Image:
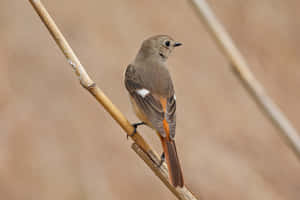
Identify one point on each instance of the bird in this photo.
(151, 91)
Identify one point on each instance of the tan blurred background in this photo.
(56, 142)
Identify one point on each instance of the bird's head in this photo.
(159, 46)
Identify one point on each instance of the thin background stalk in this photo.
(239, 65)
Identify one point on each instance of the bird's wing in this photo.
(171, 114)
(160, 111)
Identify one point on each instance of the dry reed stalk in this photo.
(148, 155)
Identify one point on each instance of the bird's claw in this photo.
(162, 159)
(135, 126)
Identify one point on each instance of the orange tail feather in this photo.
(175, 172)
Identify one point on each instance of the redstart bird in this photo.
(152, 95)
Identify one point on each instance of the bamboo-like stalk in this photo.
(148, 155)
(247, 78)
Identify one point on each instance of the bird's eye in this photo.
(167, 43)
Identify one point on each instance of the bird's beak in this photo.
(177, 44)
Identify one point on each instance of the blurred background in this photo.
(57, 142)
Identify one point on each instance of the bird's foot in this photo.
(135, 126)
(162, 159)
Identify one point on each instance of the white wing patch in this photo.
(143, 92)
(174, 97)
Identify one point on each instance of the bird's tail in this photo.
(175, 172)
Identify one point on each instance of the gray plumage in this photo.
(151, 90)
(149, 71)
